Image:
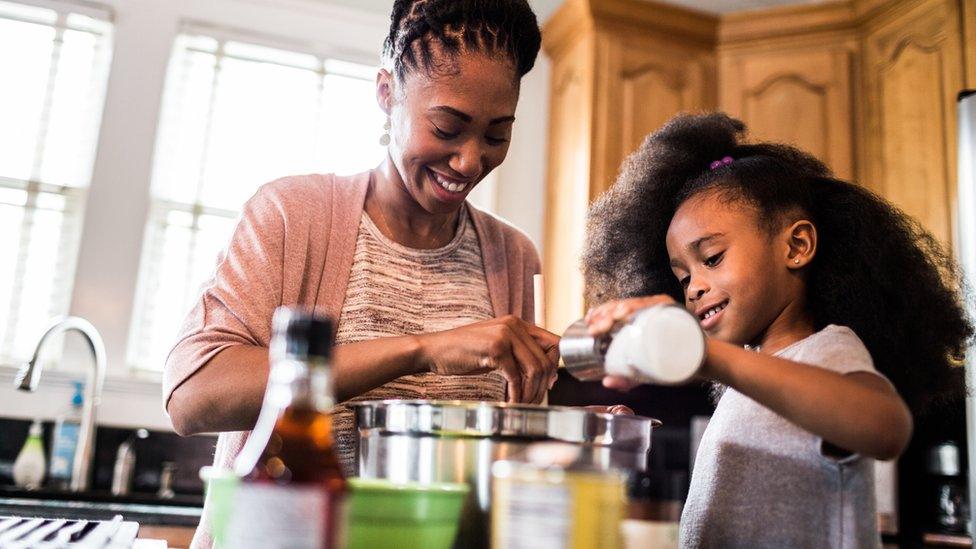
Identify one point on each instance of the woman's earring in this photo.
(385, 138)
(796, 261)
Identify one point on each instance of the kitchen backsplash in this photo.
(189, 454)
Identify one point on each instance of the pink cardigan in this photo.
(294, 244)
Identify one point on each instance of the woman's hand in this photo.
(523, 353)
(615, 409)
(602, 318)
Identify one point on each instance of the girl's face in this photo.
(448, 131)
(732, 271)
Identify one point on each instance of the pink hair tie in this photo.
(725, 161)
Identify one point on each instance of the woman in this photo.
(431, 295)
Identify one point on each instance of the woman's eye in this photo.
(714, 260)
(495, 140)
(443, 134)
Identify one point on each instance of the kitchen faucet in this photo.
(29, 377)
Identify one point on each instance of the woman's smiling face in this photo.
(728, 266)
(450, 129)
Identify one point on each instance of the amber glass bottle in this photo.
(292, 484)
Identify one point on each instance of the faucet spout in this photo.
(29, 377)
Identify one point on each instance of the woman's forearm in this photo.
(361, 367)
(857, 412)
(226, 393)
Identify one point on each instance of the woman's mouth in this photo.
(712, 315)
(447, 188)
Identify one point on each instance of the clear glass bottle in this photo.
(64, 442)
(292, 484)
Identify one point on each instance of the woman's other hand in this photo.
(616, 409)
(523, 353)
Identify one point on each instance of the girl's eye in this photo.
(443, 134)
(714, 260)
(685, 281)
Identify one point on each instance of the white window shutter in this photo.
(50, 110)
(238, 111)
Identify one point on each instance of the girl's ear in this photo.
(802, 244)
(384, 90)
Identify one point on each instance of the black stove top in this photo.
(36, 532)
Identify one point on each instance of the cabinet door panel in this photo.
(651, 96)
(913, 71)
(645, 82)
(802, 96)
(775, 109)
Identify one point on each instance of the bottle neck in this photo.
(301, 383)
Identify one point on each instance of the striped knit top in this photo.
(394, 291)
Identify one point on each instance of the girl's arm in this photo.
(858, 412)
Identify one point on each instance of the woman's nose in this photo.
(468, 160)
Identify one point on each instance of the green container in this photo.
(406, 515)
(221, 485)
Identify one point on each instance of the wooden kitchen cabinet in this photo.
(868, 86)
(568, 182)
(913, 69)
(800, 92)
(621, 68)
(643, 82)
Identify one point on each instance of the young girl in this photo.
(831, 316)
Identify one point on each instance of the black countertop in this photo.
(156, 515)
(146, 509)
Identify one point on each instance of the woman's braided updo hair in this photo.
(420, 29)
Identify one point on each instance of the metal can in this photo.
(661, 344)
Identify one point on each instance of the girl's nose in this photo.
(696, 289)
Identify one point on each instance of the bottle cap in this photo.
(943, 459)
(301, 334)
(78, 399)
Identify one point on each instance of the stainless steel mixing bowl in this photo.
(458, 441)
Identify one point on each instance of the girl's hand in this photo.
(619, 383)
(601, 319)
(523, 353)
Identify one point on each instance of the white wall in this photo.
(521, 179)
(118, 199)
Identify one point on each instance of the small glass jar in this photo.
(551, 501)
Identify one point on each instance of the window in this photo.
(54, 65)
(235, 115)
